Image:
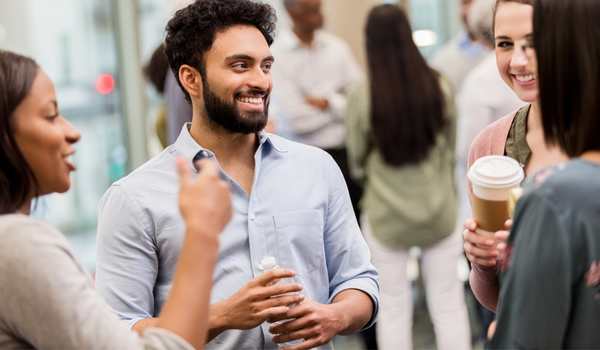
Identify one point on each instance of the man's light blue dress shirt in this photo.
(298, 211)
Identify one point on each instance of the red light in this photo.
(105, 84)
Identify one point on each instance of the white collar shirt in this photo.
(327, 70)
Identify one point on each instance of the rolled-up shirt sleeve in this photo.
(347, 255)
(127, 257)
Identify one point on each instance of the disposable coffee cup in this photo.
(492, 179)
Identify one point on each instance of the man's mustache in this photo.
(253, 93)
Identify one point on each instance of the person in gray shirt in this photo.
(550, 281)
(47, 301)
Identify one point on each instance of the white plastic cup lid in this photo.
(496, 172)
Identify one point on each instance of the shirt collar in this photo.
(188, 148)
(273, 140)
(185, 145)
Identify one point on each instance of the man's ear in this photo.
(191, 80)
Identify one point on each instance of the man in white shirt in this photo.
(458, 57)
(314, 72)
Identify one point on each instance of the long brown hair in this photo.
(407, 102)
(17, 181)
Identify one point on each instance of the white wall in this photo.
(15, 29)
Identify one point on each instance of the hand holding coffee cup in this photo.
(479, 246)
(482, 247)
(492, 179)
(502, 239)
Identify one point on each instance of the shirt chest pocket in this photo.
(300, 240)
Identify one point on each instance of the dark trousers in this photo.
(341, 158)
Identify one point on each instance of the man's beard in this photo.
(228, 116)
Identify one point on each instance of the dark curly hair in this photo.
(191, 32)
(17, 181)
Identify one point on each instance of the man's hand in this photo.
(316, 323)
(317, 102)
(257, 301)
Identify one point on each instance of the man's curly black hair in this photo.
(191, 32)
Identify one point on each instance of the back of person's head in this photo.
(156, 69)
(464, 8)
(567, 44)
(480, 21)
(407, 103)
(17, 182)
(307, 15)
(191, 32)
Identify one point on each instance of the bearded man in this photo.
(289, 200)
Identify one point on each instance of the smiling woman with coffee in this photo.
(518, 135)
(46, 299)
(550, 295)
